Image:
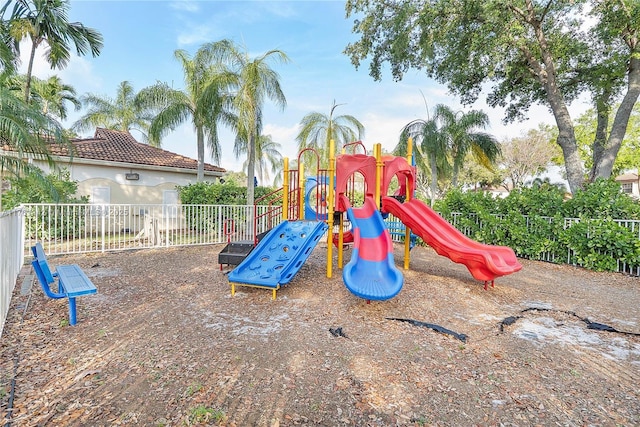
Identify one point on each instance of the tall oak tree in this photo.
(524, 52)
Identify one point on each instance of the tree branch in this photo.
(546, 10)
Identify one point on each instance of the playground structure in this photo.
(350, 198)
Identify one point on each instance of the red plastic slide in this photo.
(485, 262)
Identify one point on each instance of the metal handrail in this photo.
(272, 211)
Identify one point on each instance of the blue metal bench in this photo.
(72, 282)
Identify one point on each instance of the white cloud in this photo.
(279, 8)
(285, 136)
(383, 129)
(185, 6)
(195, 35)
(79, 72)
(41, 67)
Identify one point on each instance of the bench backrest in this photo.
(38, 253)
(43, 272)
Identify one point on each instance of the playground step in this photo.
(235, 252)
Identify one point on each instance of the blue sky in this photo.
(141, 36)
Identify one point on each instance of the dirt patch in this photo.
(164, 343)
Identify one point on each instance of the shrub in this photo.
(207, 193)
(543, 200)
(466, 202)
(52, 188)
(598, 244)
(40, 188)
(602, 199)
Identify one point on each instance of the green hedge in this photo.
(56, 187)
(205, 193)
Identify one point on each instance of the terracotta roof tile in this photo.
(118, 146)
(627, 177)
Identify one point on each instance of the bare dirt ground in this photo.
(163, 343)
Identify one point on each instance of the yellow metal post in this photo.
(408, 195)
(285, 190)
(330, 207)
(377, 152)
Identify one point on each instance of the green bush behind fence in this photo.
(598, 228)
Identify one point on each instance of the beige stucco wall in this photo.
(126, 193)
(148, 189)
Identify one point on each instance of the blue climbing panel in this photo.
(280, 254)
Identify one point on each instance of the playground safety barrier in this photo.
(80, 228)
(567, 256)
(11, 257)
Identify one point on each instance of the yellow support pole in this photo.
(377, 152)
(408, 195)
(330, 207)
(285, 190)
(301, 191)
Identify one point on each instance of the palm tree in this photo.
(430, 149)
(267, 156)
(204, 100)
(255, 81)
(459, 128)
(53, 95)
(24, 131)
(318, 129)
(125, 113)
(48, 21)
(9, 56)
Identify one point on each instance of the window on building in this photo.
(100, 196)
(170, 203)
(627, 187)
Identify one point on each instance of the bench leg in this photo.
(72, 311)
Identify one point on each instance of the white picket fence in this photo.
(79, 228)
(11, 257)
(568, 256)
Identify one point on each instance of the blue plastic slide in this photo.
(279, 255)
(371, 274)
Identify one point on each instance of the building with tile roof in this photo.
(112, 167)
(630, 183)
